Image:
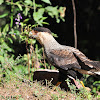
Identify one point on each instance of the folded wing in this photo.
(93, 67)
(63, 59)
(73, 58)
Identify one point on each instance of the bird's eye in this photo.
(36, 31)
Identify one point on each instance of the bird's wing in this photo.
(63, 59)
(90, 65)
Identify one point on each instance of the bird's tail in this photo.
(92, 66)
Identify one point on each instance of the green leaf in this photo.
(6, 28)
(1, 59)
(35, 25)
(28, 2)
(57, 20)
(38, 15)
(98, 97)
(11, 41)
(55, 35)
(22, 24)
(41, 12)
(94, 90)
(38, 5)
(45, 23)
(26, 20)
(6, 47)
(26, 11)
(4, 15)
(47, 1)
(20, 7)
(1, 1)
(52, 10)
(43, 18)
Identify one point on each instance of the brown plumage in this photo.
(70, 61)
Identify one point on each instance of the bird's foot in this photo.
(78, 85)
(87, 88)
(81, 85)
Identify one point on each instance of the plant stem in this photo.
(11, 24)
(34, 6)
(44, 59)
(28, 56)
(20, 4)
(75, 34)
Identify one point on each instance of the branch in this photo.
(75, 34)
(20, 4)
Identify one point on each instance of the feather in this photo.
(92, 67)
(63, 59)
(72, 58)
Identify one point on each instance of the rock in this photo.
(42, 74)
(48, 74)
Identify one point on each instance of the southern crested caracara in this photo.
(70, 61)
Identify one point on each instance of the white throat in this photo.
(47, 40)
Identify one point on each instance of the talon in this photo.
(82, 83)
(87, 88)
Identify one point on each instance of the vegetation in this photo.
(16, 71)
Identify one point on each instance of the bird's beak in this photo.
(32, 34)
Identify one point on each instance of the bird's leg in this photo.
(79, 85)
(58, 83)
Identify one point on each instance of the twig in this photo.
(75, 34)
(36, 60)
(28, 56)
(32, 54)
(44, 59)
(20, 4)
(11, 25)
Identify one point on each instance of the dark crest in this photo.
(42, 29)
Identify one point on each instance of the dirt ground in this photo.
(35, 91)
(17, 90)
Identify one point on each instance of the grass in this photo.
(16, 89)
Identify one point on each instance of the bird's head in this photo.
(36, 32)
(41, 34)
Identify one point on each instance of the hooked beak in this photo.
(32, 34)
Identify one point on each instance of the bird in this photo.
(68, 60)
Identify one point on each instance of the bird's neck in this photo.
(47, 41)
(51, 43)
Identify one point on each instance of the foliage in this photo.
(19, 15)
(82, 92)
